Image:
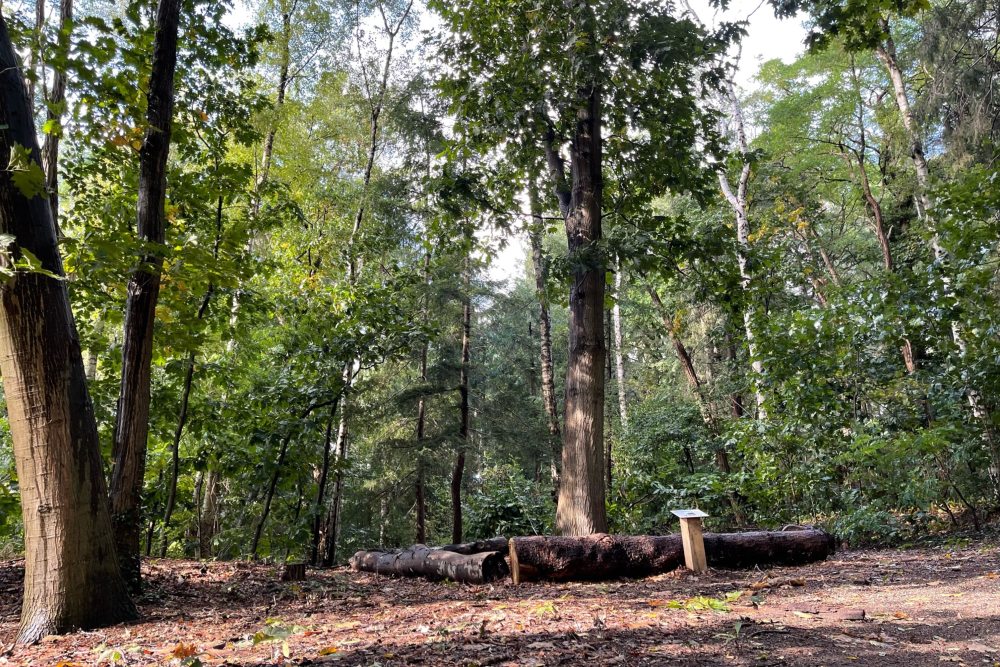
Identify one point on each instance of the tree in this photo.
(587, 78)
(72, 578)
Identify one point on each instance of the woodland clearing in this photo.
(922, 606)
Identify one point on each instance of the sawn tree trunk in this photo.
(607, 556)
(422, 561)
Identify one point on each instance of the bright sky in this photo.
(768, 38)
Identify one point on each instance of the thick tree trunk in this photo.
(71, 577)
(609, 556)
(581, 510)
(54, 112)
(541, 269)
(421, 561)
(132, 419)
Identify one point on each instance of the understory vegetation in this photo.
(801, 313)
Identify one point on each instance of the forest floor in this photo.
(921, 606)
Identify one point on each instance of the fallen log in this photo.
(494, 544)
(423, 561)
(608, 556)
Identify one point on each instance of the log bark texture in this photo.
(423, 561)
(603, 556)
(497, 544)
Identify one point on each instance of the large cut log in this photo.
(422, 561)
(603, 556)
(495, 544)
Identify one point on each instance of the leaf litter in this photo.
(867, 607)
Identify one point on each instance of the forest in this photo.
(287, 280)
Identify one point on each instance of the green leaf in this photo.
(25, 172)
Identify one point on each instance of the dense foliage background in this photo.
(354, 241)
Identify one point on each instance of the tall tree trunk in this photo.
(71, 575)
(541, 270)
(420, 490)
(739, 202)
(333, 520)
(616, 319)
(132, 418)
(458, 472)
(581, 507)
(886, 52)
(314, 553)
(54, 111)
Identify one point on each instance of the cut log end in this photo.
(293, 572)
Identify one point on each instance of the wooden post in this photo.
(692, 539)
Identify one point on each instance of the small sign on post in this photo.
(691, 538)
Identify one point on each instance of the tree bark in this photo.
(608, 556)
(616, 319)
(315, 553)
(333, 518)
(458, 472)
(541, 271)
(581, 505)
(208, 515)
(54, 112)
(494, 544)
(420, 491)
(71, 578)
(132, 419)
(422, 561)
(740, 204)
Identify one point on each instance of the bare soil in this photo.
(924, 606)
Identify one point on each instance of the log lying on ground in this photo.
(423, 561)
(494, 544)
(608, 556)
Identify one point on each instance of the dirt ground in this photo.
(926, 606)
